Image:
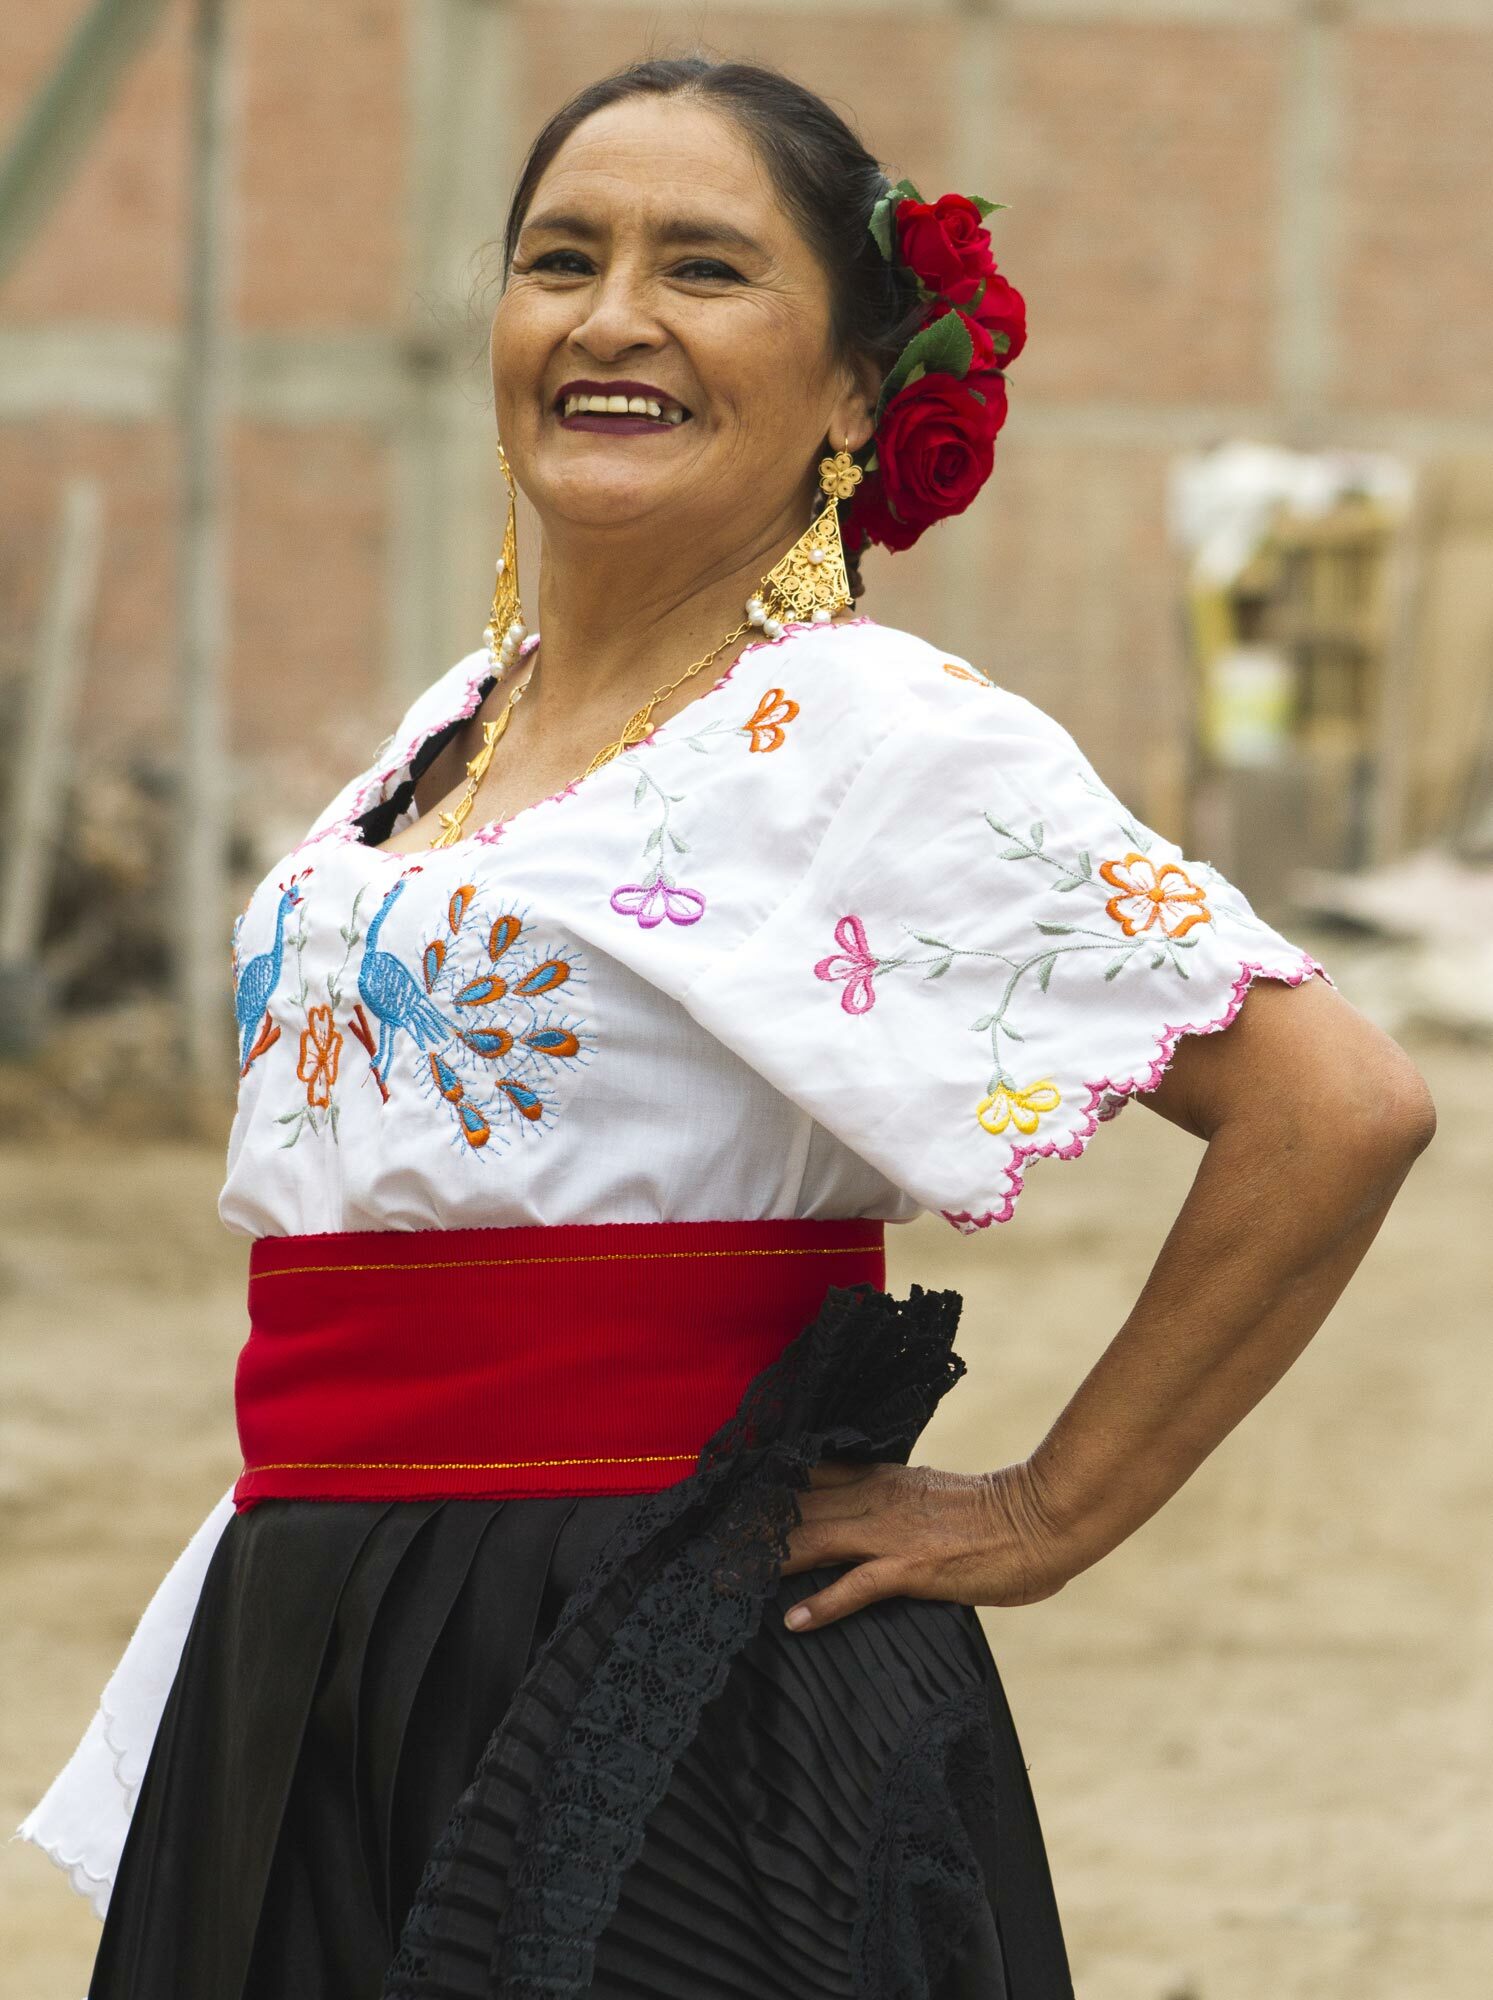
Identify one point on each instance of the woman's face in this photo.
(657, 263)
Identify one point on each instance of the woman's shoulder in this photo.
(453, 694)
(928, 696)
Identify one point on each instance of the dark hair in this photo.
(827, 179)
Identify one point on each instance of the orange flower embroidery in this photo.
(968, 674)
(1149, 896)
(766, 726)
(321, 1050)
(1021, 1108)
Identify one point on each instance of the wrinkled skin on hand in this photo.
(915, 1531)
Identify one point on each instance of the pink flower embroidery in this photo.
(651, 902)
(855, 963)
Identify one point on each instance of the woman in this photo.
(580, 1625)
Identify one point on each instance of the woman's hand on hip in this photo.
(914, 1531)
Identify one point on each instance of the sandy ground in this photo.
(1259, 1733)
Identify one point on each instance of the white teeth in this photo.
(623, 406)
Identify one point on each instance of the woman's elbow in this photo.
(1389, 1115)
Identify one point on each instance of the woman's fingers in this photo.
(863, 1585)
(918, 1532)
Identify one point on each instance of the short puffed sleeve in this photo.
(986, 955)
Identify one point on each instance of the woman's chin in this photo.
(601, 492)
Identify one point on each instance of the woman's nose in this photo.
(617, 319)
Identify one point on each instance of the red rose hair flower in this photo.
(946, 245)
(944, 398)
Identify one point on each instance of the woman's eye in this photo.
(708, 267)
(570, 263)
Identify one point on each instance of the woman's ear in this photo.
(854, 415)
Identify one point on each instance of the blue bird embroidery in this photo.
(256, 984)
(392, 995)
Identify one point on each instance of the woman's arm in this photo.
(1313, 1118)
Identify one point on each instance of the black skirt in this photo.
(505, 1749)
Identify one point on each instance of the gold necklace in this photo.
(807, 585)
(633, 731)
(453, 821)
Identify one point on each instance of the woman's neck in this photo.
(616, 622)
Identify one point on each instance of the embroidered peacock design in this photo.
(393, 996)
(255, 985)
(480, 999)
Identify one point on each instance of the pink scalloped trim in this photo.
(375, 788)
(1108, 1095)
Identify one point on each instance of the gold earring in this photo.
(505, 622)
(810, 584)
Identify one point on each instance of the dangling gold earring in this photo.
(810, 584)
(505, 622)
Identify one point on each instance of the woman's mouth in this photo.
(624, 408)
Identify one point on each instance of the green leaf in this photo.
(979, 1027)
(1113, 971)
(1011, 1032)
(1016, 854)
(1068, 884)
(640, 788)
(938, 971)
(1038, 833)
(653, 840)
(986, 207)
(681, 845)
(883, 226)
(999, 827)
(1158, 959)
(1049, 929)
(1086, 865)
(1045, 975)
(923, 938)
(942, 348)
(906, 190)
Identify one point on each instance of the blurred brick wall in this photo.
(1267, 217)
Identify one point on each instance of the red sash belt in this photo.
(500, 1363)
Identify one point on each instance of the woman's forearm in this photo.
(1271, 1231)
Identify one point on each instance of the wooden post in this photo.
(38, 791)
(202, 904)
(447, 504)
(62, 119)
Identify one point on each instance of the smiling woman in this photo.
(578, 1623)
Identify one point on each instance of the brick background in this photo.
(1145, 149)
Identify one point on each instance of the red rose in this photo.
(984, 364)
(1002, 310)
(946, 244)
(935, 446)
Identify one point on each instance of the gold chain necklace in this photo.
(634, 730)
(807, 585)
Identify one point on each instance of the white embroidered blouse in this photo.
(857, 932)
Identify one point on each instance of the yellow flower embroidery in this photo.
(321, 1051)
(1021, 1108)
(960, 673)
(1150, 896)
